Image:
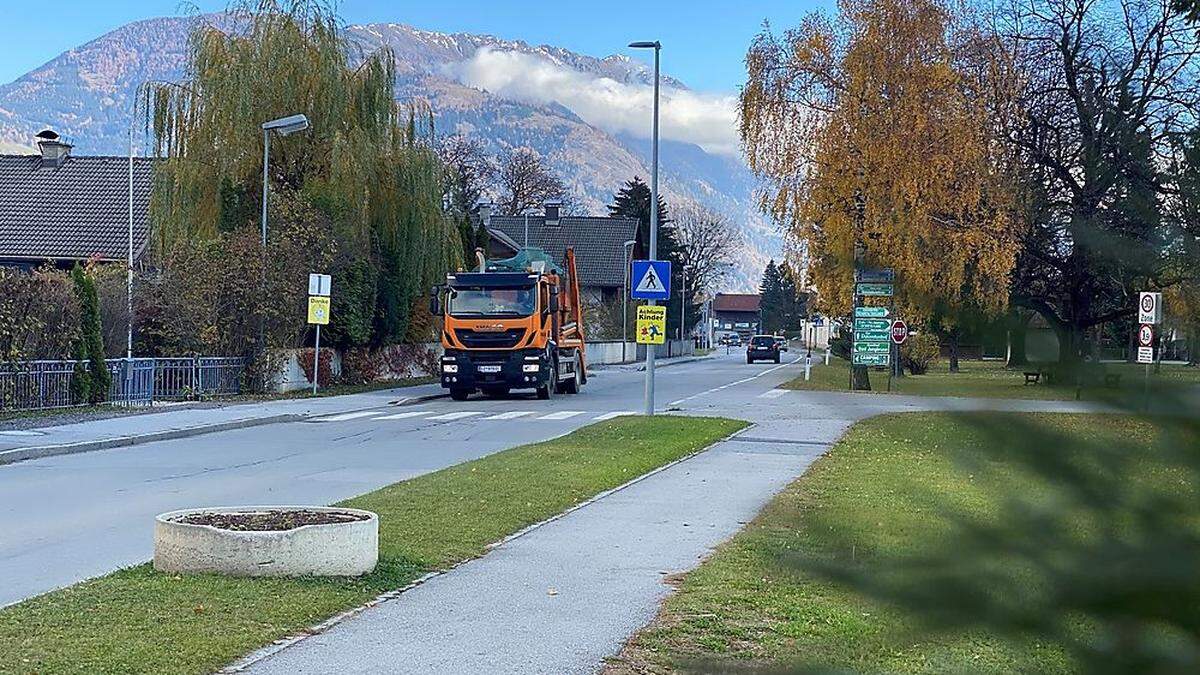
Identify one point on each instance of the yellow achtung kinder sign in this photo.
(318, 309)
(651, 325)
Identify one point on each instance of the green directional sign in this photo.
(872, 347)
(872, 324)
(875, 290)
(871, 360)
(872, 335)
(871, 312)
(884, 275)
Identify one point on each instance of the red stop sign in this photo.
(899, 331)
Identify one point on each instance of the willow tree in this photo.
(365, 161)
(875, 131)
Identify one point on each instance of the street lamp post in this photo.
(628, 247)
(657, 47)
(284, 126)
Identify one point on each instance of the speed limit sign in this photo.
(1149, 307)
(1146, 335)
(1145, 350)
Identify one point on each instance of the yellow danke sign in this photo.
(318, 309)
(651, 325)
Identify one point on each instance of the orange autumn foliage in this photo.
(881, 127)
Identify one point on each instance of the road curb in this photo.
(40, 451)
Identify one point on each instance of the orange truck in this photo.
(512, 324)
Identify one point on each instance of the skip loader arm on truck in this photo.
(572, 325)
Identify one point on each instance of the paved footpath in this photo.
(564, 596)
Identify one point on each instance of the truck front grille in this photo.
(493, 340)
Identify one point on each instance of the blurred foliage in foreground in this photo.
(980, 542)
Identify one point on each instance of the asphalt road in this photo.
(68, 518)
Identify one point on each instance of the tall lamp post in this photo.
(657, 47)
(283, 126)
(628, 246)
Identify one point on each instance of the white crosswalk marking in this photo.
(349, 416)
(774, 393)
(513, 414)
(561, 415)
(616, 413)
(406, 415)
(456, 415)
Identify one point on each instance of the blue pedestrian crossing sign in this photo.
(651, 280)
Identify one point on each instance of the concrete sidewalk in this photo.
(113, 432)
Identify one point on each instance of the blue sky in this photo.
(704, 41)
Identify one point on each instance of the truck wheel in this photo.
(571, 386)
(460, 394)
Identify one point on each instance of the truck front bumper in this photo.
(517, 369)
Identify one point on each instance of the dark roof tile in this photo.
(77, 211)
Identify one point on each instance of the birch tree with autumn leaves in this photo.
(877, 130)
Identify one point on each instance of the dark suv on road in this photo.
(762, 348)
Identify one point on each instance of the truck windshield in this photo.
(482, 301)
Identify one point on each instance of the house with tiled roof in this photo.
(737, 313)
(599, 243)
(60, 208)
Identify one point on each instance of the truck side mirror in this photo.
(435, 301)
(553, 299)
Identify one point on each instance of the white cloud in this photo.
(707, 120)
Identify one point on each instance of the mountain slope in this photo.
(86, 95)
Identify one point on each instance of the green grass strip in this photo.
(991, 379)
(752, 606)
(138, 620)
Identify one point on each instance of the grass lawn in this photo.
(750, 605)
(138, 620)
(988, 379)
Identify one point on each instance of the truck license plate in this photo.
(489, 369)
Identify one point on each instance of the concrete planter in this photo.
(337, 549)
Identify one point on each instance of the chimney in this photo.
(552, 208)
(484, 209)
(54, 150)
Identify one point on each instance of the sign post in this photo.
(318, 314)
(652, 282)
(1149, 315)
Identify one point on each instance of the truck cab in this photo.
(504, 330)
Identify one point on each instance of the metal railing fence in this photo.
(36, 385)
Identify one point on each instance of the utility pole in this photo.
(657, 47)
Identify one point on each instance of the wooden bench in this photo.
(1033, 377)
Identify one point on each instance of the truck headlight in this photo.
(449, 368)
(530, 368)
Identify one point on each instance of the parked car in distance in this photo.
(762, 348)
(781, 342)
